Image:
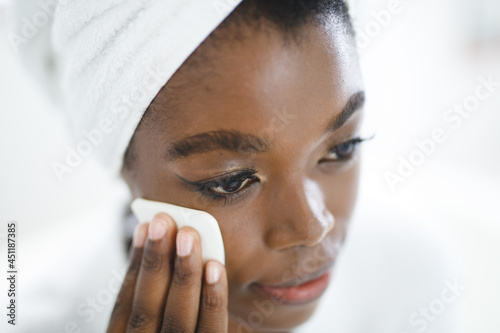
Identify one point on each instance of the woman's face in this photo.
(261, 138)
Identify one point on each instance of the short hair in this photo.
(288, 16)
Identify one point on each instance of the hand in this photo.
(167, 288)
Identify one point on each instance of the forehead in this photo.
(249, 84)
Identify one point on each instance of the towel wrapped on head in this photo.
(109, 59)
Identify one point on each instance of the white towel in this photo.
(108, 59)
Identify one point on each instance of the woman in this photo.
(259, 127)
(264, 138)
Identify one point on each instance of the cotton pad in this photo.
(212, 246)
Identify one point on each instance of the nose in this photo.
(300, 217)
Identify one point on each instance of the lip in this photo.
(302, 290)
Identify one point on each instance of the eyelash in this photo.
(207, 188)
(350, 144)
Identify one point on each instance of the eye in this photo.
(343, 151)
(230, 187)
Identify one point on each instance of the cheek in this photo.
(245, 251)
(243, 240)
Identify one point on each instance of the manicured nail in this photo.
(157, 228)
(213, 273)
(184, 244)
(139, 235)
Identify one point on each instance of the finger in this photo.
(154, 276)
(183, 301)
(123, 305)
(213, 306)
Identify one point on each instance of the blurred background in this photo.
(422, 62)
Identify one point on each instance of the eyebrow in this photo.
(233, 141)
(355, 102)
(238, 142)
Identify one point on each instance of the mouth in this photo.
(301, 290)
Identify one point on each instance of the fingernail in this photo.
(213, 273)
(184, 244)
(139, 235)
(157, 228)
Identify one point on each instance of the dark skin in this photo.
(300, 107)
